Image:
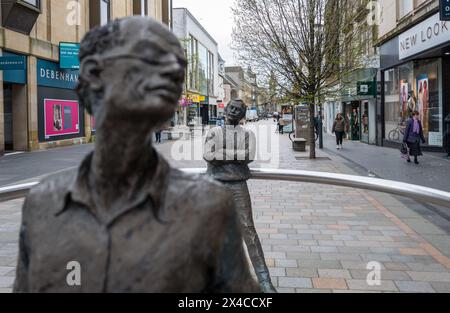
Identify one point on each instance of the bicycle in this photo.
(397, 133)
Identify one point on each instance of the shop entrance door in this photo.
(365, 120)
(8, 117)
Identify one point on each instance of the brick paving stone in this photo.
(333, 273)
(395, 266)
(385, 275)
(430, 276)
(420, 267)
(303, 256)
(412, 251)
(293, 282)
(6, 270)
(441, 287)
(340, 256)
(6, 281)
(302, 272)
(298, 290)
(415, 287)
(356, 265)
(286, 290)
(376, 257)
(324, 249)
(329, 283)
(386, 285)
(277, 271)
(286, 263)
(331, 264)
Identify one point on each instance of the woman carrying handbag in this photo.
(414, 136)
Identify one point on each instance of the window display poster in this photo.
(423, 100)
(61, 117)
(404, 92)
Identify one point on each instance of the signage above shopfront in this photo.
(444, 8)
(49, 74)
(429, 34)
(366, 88)
(68, 55)
(14, 73)
(11, 63)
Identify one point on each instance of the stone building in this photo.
(415, 65)
(38, 106)
(200, 99)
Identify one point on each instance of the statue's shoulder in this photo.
(50, 194)
(198, 188)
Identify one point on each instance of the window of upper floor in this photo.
(404, 7)
(20, 15)
(99, 12)
(140, 7)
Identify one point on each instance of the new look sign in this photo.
(428, 34)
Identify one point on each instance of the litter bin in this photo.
(447, 134)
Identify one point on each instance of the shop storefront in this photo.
(415, 71)
(358, 105)
(15, 118)
(60, 115)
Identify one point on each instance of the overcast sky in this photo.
(216, 17)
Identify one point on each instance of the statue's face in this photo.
(235, 112)
(142, 79)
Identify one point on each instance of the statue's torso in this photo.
(136, 252)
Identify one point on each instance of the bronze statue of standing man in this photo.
(229, 150)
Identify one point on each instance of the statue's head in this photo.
(235, 112)
(132, 69)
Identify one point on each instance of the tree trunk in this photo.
(312, 133)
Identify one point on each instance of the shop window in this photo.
(414, 86)
(20, 15)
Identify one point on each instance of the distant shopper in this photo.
(281, 124)
(158, 135)
(414, 136)
(339, 128)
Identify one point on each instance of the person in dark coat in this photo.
(414, 136)
(339, 128)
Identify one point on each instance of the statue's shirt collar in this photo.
(155, 187)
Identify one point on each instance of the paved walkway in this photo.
(433, 171)
(318, 238)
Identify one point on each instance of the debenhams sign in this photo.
(428, 34)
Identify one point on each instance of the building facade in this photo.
(38, 106)
(355, 95)
(415, 70)
(199, 102)
(246, 87)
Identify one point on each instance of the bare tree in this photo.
(307, 45)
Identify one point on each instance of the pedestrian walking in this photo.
(414, 136)
(281, 124)
(158, 136)
(339, 128)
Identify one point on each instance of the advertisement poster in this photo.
(61, 117)
(404, 90)
(423, 100)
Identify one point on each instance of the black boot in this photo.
(416, 161)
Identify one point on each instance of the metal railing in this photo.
(418, 193)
